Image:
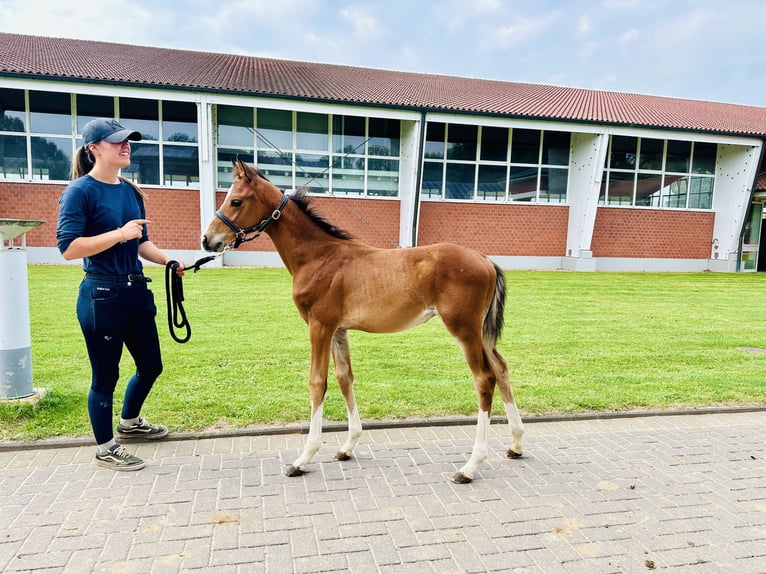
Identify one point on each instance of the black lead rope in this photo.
(174, 293)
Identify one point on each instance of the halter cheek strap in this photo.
(241, 234)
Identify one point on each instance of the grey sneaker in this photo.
(142, 429)
(117, 458)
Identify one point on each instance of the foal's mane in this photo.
(302, 201)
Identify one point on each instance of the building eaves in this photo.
(82, 60)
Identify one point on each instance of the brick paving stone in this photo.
(680, 493)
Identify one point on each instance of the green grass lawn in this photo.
(575, 342)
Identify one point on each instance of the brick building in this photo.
(537, 177)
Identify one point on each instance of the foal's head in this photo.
(251, 199)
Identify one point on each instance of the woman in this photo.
(102, 220)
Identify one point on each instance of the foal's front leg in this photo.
(320, 338)
(341, 355)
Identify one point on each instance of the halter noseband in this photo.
(241, 234)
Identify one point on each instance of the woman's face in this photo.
(113, 154)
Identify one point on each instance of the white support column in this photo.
(736, 167)
(408, 180)
(207, 162)
(588, 153)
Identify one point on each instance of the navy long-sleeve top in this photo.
(89, 207)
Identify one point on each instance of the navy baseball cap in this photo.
(108, 131)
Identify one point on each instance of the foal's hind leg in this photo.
(342, 359)
(511, 411)
(484, 379)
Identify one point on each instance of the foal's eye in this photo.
(236, 203)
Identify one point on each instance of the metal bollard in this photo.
(15, 337)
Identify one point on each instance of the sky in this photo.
(703, 50)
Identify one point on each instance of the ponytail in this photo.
(82, 162)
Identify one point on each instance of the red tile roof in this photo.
(81, 60)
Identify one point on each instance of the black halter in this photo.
(241, 234)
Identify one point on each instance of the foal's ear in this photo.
(241, 169)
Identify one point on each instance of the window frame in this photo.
(676, 187)
(531, 166)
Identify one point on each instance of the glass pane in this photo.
(556, 148)
(701, 192)
(225, 168)
(384, 137)
(144, 166)
(179, 121)
(348, 175)
(751, 234)
(51, 158)
(674, 191)
(491, 182)
(623, 152)
(348, 134)
(704, 158)
(461, 142)
(433, 173)
(93, 107)
(278, 168)
(602, 191)
(435, 141)
(383, 177)
(460, 181)
(311, 171)
(311, 131)
(13, 157)
(553, 185)
(142, 116)
(648, 189)
(525, 146)
(522, 185)
(181, 165)
(620, 190)
(235, 126)
(651, 154)
(12, 118)
(749, 260)
(50, 113)
(494, 144)
(275, 130)
(679, 154)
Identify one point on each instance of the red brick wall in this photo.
(494, 229)
(32, 201)
(497, 229)
(372, 221)
(654, 233)
(174, 213)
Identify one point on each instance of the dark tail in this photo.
(493, 320)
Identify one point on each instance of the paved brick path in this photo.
(674, 493)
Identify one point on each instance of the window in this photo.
(39, 132)
(658, 173)
(180, 153)
(13, 142)
(323, 153)
(486, 163)
(168, 152)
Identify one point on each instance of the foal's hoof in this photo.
(513, 454)
(292, 470)
(341, 456)
(460, 478)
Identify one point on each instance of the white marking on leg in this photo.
(517, 427)
(354, 431)
(480, 445)
(313, 441)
